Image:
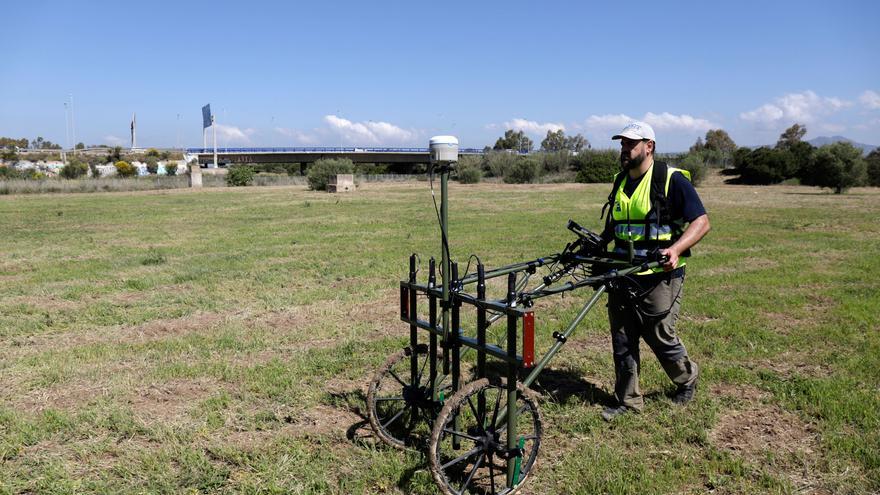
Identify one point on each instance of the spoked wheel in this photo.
(469, 452)
(401, 410)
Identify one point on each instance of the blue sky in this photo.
(396, 73)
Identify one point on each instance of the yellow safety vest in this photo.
(635, 218)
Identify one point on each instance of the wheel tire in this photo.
(491, 481)
(385, 400)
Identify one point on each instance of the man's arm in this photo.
(695, 231)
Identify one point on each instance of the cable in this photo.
(439, 220)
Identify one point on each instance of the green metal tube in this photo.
(444, 260)
(558, 345)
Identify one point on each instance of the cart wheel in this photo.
(400, 412)
(479, 463)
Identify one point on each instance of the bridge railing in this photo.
(323, 149)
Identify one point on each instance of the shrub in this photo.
(468, 170)
(597, 165)
(125, 169)
(499, 163)
(171, 167)
(873, 160)
(371, 168)
(764, 165)
(557, 161)
(323, 170)
(153, 152)
(240, 176)
(152, 164)
(524, 170)
(694, 164)
(74, 169)
(837, 166)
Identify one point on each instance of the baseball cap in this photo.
(637, 131)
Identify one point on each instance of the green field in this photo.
(221, 341)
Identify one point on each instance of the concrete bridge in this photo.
(230, 156)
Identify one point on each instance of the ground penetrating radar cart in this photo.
(482, 435)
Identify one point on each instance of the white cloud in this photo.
(228, 134)
(369, 132)
(533, 127)
(795, 107)
(683, 122)
(662, 121)
(870, 99)
(608, 121)
(111, 139)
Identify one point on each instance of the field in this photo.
(221, 341)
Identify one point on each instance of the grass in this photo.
(222, 341)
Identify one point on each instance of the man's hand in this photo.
(692, 235)
(672, 258)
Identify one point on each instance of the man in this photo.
(653, 207)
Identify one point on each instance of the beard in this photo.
(629, 163)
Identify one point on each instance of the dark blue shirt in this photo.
(682, 196)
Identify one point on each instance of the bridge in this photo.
(228, 156)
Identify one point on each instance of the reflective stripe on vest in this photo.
(629, 216)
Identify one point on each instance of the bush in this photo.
(874, 168)
(74, 169)
(468, 170)
(524, 170)
(371, 168)
(153, 152)
(499, 163)
(694, 164)
(323, 170)
(125, 169)
(171, 167)
(764, 165)
(597, 165)
(837, 166)
(152, 164)
(554, 162)
(240, 176)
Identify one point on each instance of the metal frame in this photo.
(583, 262)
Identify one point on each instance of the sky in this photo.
(396, 73)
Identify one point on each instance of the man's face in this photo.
(632, 152)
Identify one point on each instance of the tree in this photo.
(80, 146)
(697, 147)
(764, 165)
(837, 166)
(873, 161)
(513, 140)
(115, 155)
(8, 154)
(792, 135)
(558, 141)
(719, 141)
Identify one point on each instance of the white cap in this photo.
(637, 131)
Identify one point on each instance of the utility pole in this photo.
(66, 132)
(214, 129)
(72, 124)
(178, 131)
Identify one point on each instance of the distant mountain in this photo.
(823, 140)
